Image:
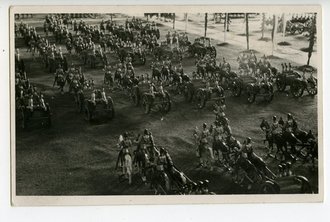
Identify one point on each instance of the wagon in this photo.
(99, 109)
(253, 89)
(163, 51)
(141, 95)
(258, 182)
(297, 82)
(197, 92)
(137, 58)
(38, 116)
(201, 47)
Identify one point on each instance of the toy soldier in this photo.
(93, 97)
(30, 105)
(275, 127)
(42, 102)
(127, 166)
(161, 91)
(219, 109)
(104, 97)
(248, 149)
(280, 172)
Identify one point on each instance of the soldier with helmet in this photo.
(248, 148)
(275, 127)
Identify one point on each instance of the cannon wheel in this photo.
(236, 89)
(166, 103)
(111, 108)
(311, 87)
(251, 96)
(135, 97)
(146, 104)
(268, 187)
(200, 99)
(280, 83)
(296, 89)
(305, 185)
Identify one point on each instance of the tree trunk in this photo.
(247, 30)
(274, 30)
(263, 21)
(173, 20)
(283, 26)
(205, 25)
(225, 28)
(186, 24)
(312, 38)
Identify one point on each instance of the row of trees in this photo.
(311, 31)
(264, 22)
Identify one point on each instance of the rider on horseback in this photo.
(290, 130)
(146, 141)
(219, 108)
(275, 127)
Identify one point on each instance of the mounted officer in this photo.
(290, 129)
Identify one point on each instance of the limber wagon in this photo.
(101, 108)
(298, 83)
(141, 94)
(196, 90)
(252, 88)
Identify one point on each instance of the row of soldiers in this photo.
(50, 54)
(28, 97)
(148, 156)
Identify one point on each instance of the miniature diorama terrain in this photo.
(165, 103)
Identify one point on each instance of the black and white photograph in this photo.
(134, 101)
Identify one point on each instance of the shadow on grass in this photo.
(243, 34)
(265, 39)
(284, 43)
(306, 50)
(223, 44)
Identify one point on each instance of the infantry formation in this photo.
(93, 63)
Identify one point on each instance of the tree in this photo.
(186, 21)
(283, 25)
(225, 27)
(312, 38)
(247, 30)
(173, 20)
(205, 25)
(274, 30)
(263, 24)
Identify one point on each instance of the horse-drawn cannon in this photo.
(94, 103)
(138, 58)
(200, 91)
(150, 97)
(253, 176)
(298, 83)
(201, 47)
(37, 114)
(164, 51)
(252, 88)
